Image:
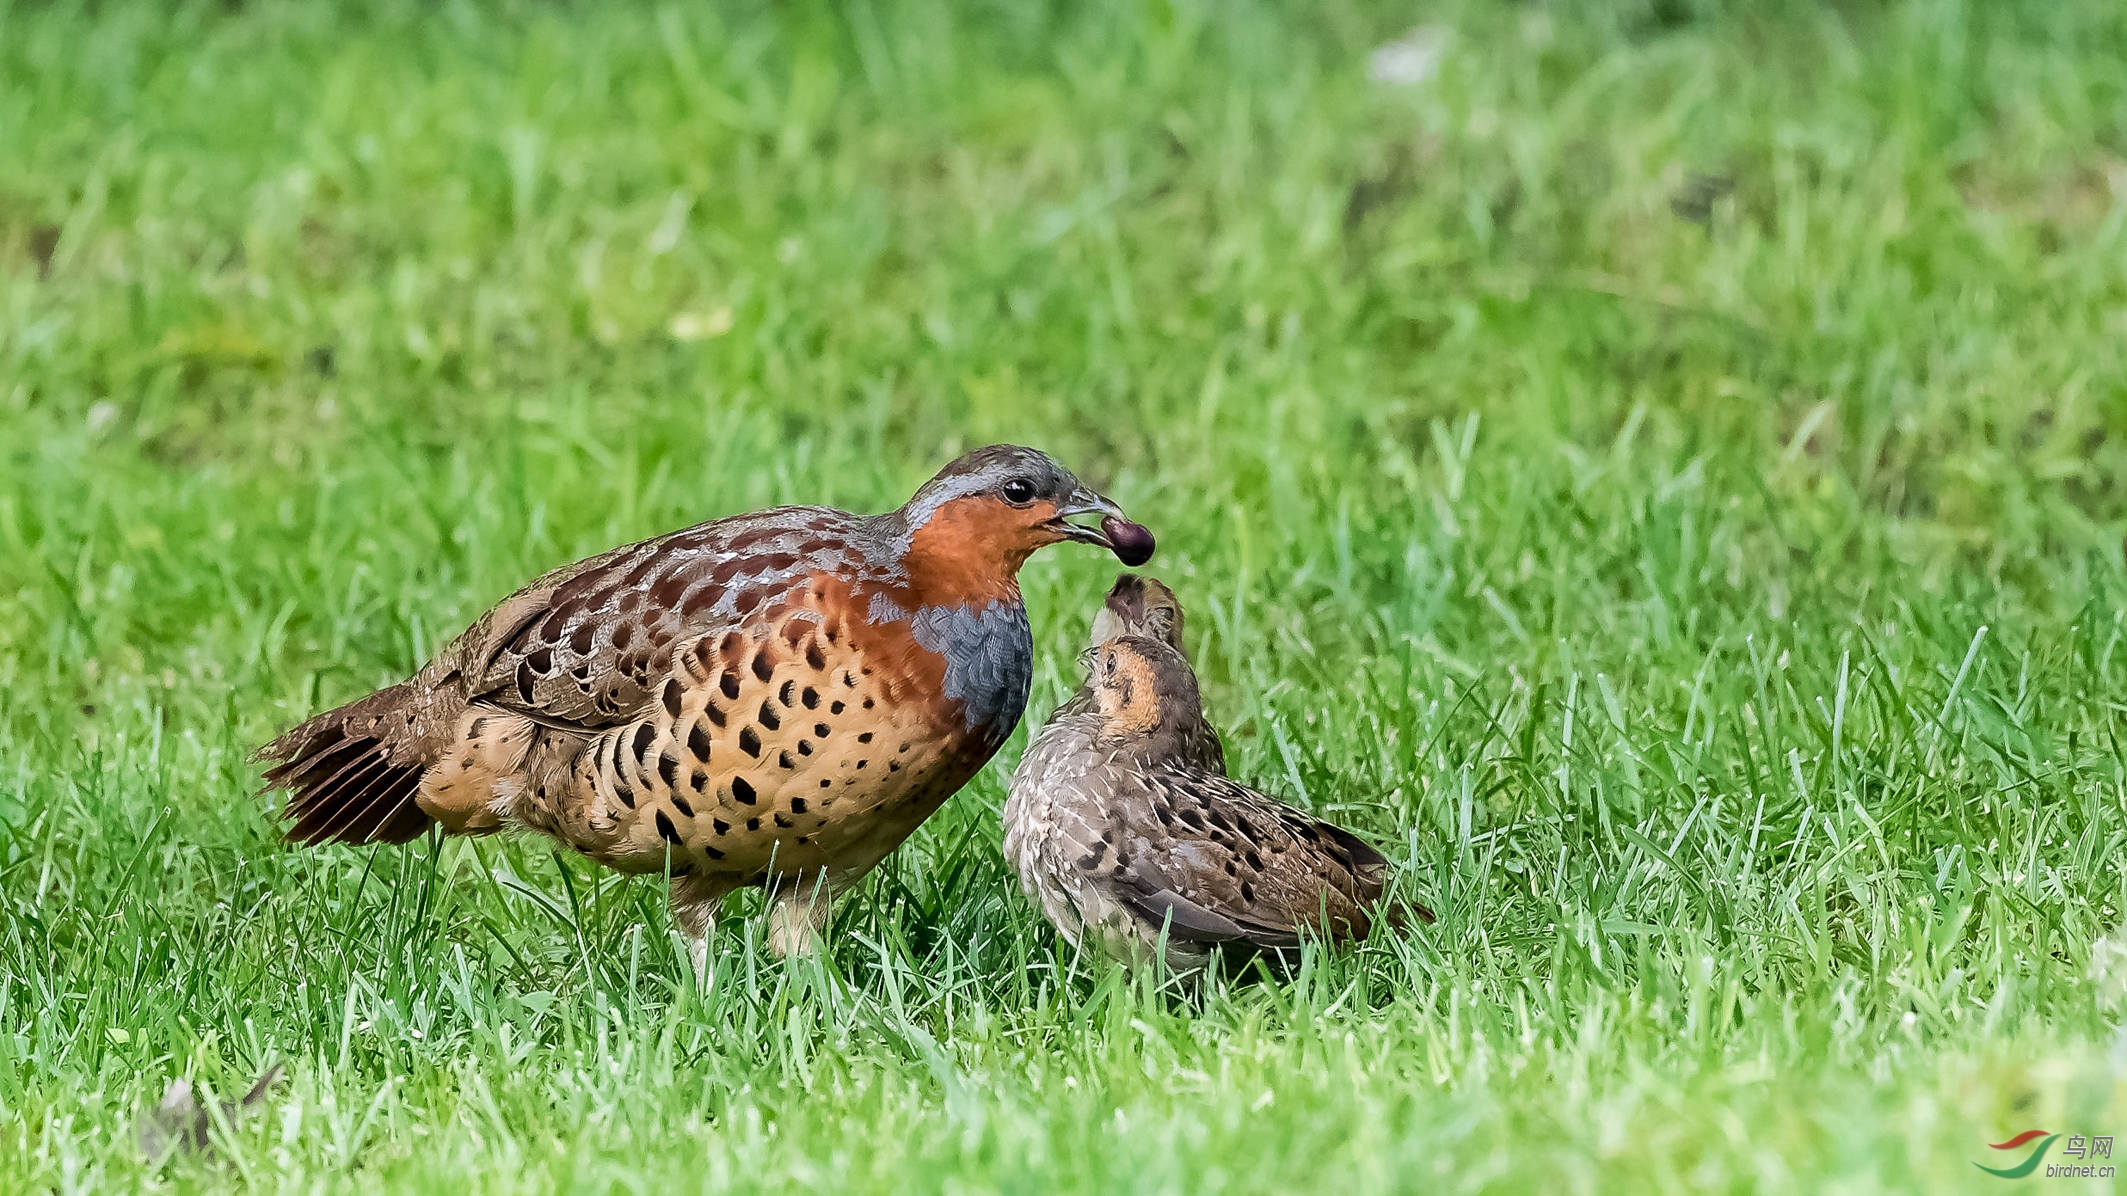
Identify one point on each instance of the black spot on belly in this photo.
(729, 684)
(822, 730)
(797, 805)
(783, 694)
(836, 708)
(784, 823)
(666, 829)
(645, 735)
(770, 720)
(784, 762)
(864, 738)
(713, 713)
(753, 824)
(668, 769)
(720, 826)
(698, 743)
(625, 794)
(811, 698)
(750, 742)
(742, 791)
(680, 803)
(671, 697)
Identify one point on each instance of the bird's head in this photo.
(1142, 686)
(1139, 605)
(983, 515)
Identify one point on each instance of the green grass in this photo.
(1718, 611)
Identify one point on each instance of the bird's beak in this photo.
(1130, 542)
(1084, 502)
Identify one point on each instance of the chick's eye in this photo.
(1019, 492)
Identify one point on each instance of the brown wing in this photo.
(1218, 862)
(585, 647)
(577, 650)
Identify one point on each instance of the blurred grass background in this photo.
(1655, 466)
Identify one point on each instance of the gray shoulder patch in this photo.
(989, 660)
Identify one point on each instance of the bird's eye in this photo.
(1019, 492)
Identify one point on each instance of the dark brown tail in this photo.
(1372, 870)
(352, 773)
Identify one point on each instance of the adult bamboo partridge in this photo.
(775, 699)
(1127, 833)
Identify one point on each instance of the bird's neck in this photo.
(1170, 738)
(951, 560)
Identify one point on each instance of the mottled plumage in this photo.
(1126, 831)
(774, 699)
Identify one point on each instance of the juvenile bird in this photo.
(1125, 830)
(775, 699)
(1141, 606)
(1138, 605)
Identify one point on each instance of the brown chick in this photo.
(1132, 846)
(1144, 606)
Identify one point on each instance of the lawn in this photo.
(1656, 468)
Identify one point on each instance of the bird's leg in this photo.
(800, 913)
(694, 905)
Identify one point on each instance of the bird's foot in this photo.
(694, 908)
(795, 923)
